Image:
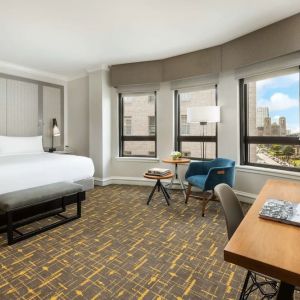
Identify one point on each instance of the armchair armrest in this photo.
(219, 175)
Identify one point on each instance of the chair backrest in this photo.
(231, 207)
(222, 162)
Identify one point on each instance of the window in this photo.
(151, 125)
(186, 154)
(184, 126)
(137, 114)
(188, 136)
(127, 125)
(270, 120)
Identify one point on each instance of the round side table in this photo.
(159, 186)
(176, 162)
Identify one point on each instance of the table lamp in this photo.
(55, 132)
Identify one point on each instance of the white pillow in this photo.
(18, 145)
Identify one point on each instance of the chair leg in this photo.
(205, 201)
(188, 192)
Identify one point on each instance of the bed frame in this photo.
(44, 210)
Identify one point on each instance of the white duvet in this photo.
(23, 171)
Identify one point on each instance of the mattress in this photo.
(23, 171)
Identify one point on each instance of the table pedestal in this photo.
(169, 186)
(159, 186)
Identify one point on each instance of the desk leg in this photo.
(286, 291)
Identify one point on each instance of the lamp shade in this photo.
(55, 129)
(207, 114)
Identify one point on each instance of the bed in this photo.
(23, 171)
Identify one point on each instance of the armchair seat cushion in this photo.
(197, 180)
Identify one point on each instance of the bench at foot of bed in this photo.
(59, 193)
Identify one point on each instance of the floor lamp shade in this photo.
(205, 114)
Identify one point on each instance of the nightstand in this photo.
(63, 152)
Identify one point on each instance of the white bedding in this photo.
(23, 171)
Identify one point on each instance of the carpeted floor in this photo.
(123, 249)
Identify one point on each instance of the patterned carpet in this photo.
(123, 249)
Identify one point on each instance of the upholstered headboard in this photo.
(27, 108)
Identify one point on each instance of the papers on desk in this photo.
(281, 211)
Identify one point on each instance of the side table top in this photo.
(159, 177)
(176, 161)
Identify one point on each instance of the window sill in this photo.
(269, 171)
(137, 159)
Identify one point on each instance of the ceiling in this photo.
(67, 37)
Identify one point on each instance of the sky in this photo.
(281, 95)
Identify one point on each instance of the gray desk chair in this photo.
(234, 216)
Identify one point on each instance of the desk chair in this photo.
(234, 215)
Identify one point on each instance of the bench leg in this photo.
(78, 206)
(10, 233)
(10, 227)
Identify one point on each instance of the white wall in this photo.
(103, 129)
(249, 180)
(78, 116)
(100, 122)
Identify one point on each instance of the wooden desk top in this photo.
(266, 246)
(159, 177)
(176, 161)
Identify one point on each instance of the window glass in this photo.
(272, 120)
(138, 125)
(189, 136)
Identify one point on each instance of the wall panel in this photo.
(2, 106)
(22, 108)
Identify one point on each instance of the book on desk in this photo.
(158, 172)
(281, 211)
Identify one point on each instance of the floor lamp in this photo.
(203, 115)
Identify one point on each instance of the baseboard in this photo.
(243, 196)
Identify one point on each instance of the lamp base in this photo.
(52, 149)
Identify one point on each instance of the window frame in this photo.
(148, 138)
(246, 140)
(178, 138)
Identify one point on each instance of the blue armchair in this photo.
(206, 175)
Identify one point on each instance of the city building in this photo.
(282, 125)
(267, 126)
(261, 114)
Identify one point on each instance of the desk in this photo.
(269, 247)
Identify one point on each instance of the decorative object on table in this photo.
(203, 115)
(176, 176)
(176, 154)
(281, 211)
(234, 215)
(67, 150)
(158, 172)
(159, 186)
(55, 133)
(205, 175)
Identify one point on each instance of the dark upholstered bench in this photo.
(59, 193)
